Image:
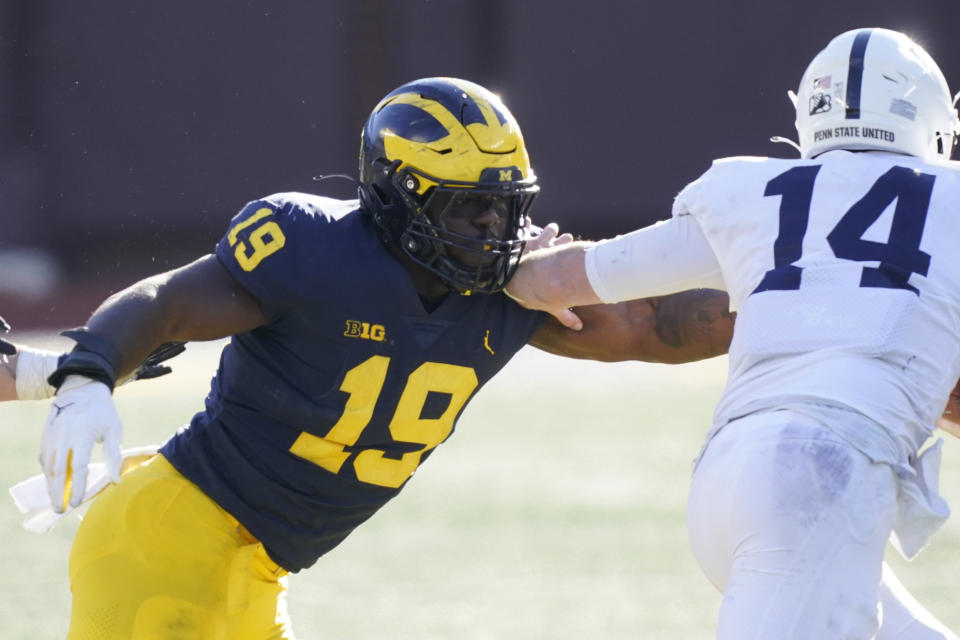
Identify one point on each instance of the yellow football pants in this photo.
(156, 559)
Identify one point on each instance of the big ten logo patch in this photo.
(365, 331)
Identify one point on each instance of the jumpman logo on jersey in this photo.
(486, 342)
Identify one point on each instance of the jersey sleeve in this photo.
(667, 257)
(688, 200)
(259, 249)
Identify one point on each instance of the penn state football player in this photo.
(843, 267)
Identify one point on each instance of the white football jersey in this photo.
(845, 272)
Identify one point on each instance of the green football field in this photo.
(556, 511)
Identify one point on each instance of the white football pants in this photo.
(790, 524)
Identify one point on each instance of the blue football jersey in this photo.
(317, 418)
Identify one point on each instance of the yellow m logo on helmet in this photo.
(449, 129)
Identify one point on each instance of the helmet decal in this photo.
(412, 123)
(855, 74)
(423, 130)
(464, 103)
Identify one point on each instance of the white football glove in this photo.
(81, 415)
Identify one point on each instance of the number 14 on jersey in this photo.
(899, 257)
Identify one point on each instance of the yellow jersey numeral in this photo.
(265, 240)
(364, 384)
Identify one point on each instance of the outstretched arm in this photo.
(200, 301)
(24, 370)
(23, 373)
(554, 279)
(682, 327)
(664, 258)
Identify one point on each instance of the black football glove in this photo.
(95, 357)
(152, 367)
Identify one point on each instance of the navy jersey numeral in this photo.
(796, 190)
(899, 256)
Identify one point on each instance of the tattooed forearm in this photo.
(698, 321)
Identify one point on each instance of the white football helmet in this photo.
(875, 89)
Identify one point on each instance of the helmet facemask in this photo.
(465, 263)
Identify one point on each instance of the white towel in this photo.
(921, 510)
(33, 501)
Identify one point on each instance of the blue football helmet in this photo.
(435, 145)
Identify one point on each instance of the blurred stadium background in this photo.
(130, 133)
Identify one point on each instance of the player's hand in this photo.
(549, 236)
(82, 414)
(5, 347)
(153, 366)
(520, 290)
